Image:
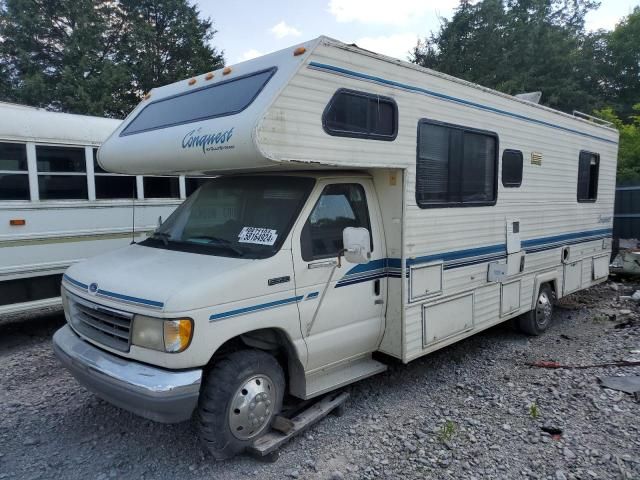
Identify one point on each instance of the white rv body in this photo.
(41, 237)
(435, 275)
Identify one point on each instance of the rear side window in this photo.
(588, 171)
(217, 100)
(456, 166)
(361, 115)
(340, 206)
(14, 175)
(512, 161)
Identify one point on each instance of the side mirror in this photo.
(357, 245)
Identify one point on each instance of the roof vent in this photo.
(533, 97)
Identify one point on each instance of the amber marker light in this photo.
(208, 76)
(192, 81)
(226, 71)
(299, 51)
(177, 334)
(17, 222)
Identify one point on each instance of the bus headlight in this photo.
(171, 336)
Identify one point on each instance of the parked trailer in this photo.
(57, 206)
(364, 205)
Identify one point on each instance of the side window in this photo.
(112, 185)
(62, 173)
(456, 166)
(588, 170)
(340, 206)
(512, 161)
(361, 115)
(14, 174)
(161, 187)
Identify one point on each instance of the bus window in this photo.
(161, 187)
(62, 173)
(112, 185)
(14, 175)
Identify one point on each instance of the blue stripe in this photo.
(262, 306)
(75, 282)
(567, 236)
(119, 296)
(312, 295)
(464, 258)
(127, 298)
(449, 98)
(460, 254)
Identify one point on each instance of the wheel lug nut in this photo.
(268, 402)
(261, 419)
(252, 416)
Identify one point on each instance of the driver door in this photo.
(342, 307)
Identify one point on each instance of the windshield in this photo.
(241, 216)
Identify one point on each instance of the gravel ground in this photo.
(472, 410)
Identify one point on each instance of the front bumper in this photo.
(154, 393)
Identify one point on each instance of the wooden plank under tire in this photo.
(270, 442)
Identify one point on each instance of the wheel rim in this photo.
(251, 408)
(544, 310)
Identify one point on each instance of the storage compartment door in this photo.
(600, 267)
(447, 318)
(572, 277)
(510, 298)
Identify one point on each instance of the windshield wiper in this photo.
(162, 236)
(219, 242)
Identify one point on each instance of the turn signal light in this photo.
(226, 71)
(192, 81)
(299, 51)
(17, 222)
(208, 76)
(177, 334)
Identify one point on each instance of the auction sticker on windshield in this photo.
(261, 236)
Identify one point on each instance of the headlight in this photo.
(65, 304)
(171, 336)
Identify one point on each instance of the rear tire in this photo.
(538, 320)
(239, 399)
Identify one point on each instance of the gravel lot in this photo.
(472, 410)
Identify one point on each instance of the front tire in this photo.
(240, 397)
(538, 320)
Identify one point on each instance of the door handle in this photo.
(378, 301)
(324, 264)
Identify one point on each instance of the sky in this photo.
(250, 28)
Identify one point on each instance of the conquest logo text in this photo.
(208, 141)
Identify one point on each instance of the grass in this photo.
(534, 412)
(447, 431)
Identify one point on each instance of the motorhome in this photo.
(57, 206)
(364, 209)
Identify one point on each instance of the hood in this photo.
(166, 280)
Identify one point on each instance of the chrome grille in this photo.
(107, 326)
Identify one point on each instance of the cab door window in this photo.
(340, 206)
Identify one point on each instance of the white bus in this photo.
(57, 206)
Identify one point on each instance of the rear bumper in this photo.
(154, 393)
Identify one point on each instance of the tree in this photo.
(98, 56)
(629, 149)
(164, 41)
(622, 64)
(523, 45)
